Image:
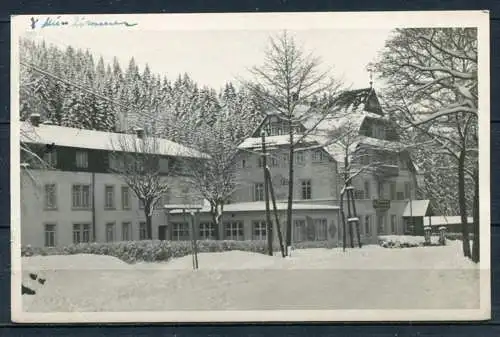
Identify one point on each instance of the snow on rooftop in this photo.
(97, 140)
(260, 206)
(416, 208)
(256, 142)
(444, 220)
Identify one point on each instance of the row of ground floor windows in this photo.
(82, 233)
(303, 230)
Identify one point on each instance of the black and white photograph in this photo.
(250, 167)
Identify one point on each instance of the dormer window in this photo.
(378, 131)
(318, 156)
(82, 159)
(50, 158)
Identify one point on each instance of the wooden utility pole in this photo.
(278, 225)
(194, 240)
(269, 225)
(356, 218)
(352, 217)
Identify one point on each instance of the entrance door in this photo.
(162, 232)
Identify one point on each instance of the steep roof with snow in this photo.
(97, 140)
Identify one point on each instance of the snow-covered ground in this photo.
(368, 278)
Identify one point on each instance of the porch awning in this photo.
(416, 208)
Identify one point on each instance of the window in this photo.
(359, 194)
(126, 231)
(274, 161)
(320, 227)
(258, 193)
(142, 231)
(299, 157)
(81, 233)
(381, 224)
(364, 158)
(284, 159)
(110, 232)
(50, 196)
(125, 197)
(400, 196)
(368, 225)
(50, 235)
(299, 230)
(403, 164)
(243, 163)
(233, 230)
(50, 158)
(407, 190)
(180, 232)
(115, 162)
(275, 131)
(381, 190)
(318, 156)
(82, 160)
(393, 190)
(109, 197)
(81, 196)
(367, 189)
(393, 224)
(306, 189)
(378, 131)
(259, 230)
(141, 204)
(207, 231)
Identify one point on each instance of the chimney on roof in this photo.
(35, 119)
(140, 133)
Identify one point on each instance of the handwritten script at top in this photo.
(78, 21)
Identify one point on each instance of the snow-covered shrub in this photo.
(406, 241)
(149, 251)
(315, 244)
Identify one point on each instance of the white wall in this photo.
(34, 216)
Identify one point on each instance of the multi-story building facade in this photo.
(79, 200)
(72, 196)
(384, 177)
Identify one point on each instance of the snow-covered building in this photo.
(72, 196)
(383, 175)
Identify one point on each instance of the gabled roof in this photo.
(97, 140)
(365, 98)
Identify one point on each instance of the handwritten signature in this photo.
(78, 21)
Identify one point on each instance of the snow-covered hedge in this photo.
(405, 241)
(151, 251)
(147, 251)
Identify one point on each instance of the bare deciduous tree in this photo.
(215, 178)
(147, 165)
(287, 80)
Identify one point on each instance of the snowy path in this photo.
(370, 278)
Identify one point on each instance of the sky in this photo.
(213, 57)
